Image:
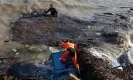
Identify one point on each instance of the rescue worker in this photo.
(52, 10)
(70, 52)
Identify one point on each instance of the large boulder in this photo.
(123, 40)
(93, 68)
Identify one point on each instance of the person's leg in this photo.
(74, 60)
(64, 56)
(76, 65)
(67, 62)
(74, 57)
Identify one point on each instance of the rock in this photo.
(126, 58)
(6, 40)
(121, 16)
(93, 68)
(109, 13)
(121, 39)
(111, 34)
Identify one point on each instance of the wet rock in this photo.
(110, 36)
(123, 40)
(109, 13)
(125, 58)
(131, 9)
(93, 68)
(6, 40)
(121, 16)
(113, 34)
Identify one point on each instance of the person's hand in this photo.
(78, 70)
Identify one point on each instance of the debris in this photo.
(73, 77)
(6, 40)
(97, 33)
(121, 16)
(27, 46)
(21, 15)
(131, 9)
(17, 53)
(112, 34)
(5, 77)
(32, 47)
(115, 65)
(88, 27)
(11, 35)
(93, 22)
(40, 50)
(14, 50)
(109, 13)
(53, 50)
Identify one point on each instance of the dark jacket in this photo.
(52, 11)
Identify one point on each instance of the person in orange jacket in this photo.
(70, 51)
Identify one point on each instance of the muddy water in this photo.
(88, 10)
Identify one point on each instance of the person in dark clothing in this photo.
(52, 10)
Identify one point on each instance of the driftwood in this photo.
(73, 77)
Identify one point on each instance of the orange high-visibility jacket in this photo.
(68, 45)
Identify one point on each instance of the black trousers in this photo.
(69, 58)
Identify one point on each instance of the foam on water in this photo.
(100, 54)
(80, 9)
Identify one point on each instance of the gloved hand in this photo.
(78, 70)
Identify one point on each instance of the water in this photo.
(85, 10)
(42, 71)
